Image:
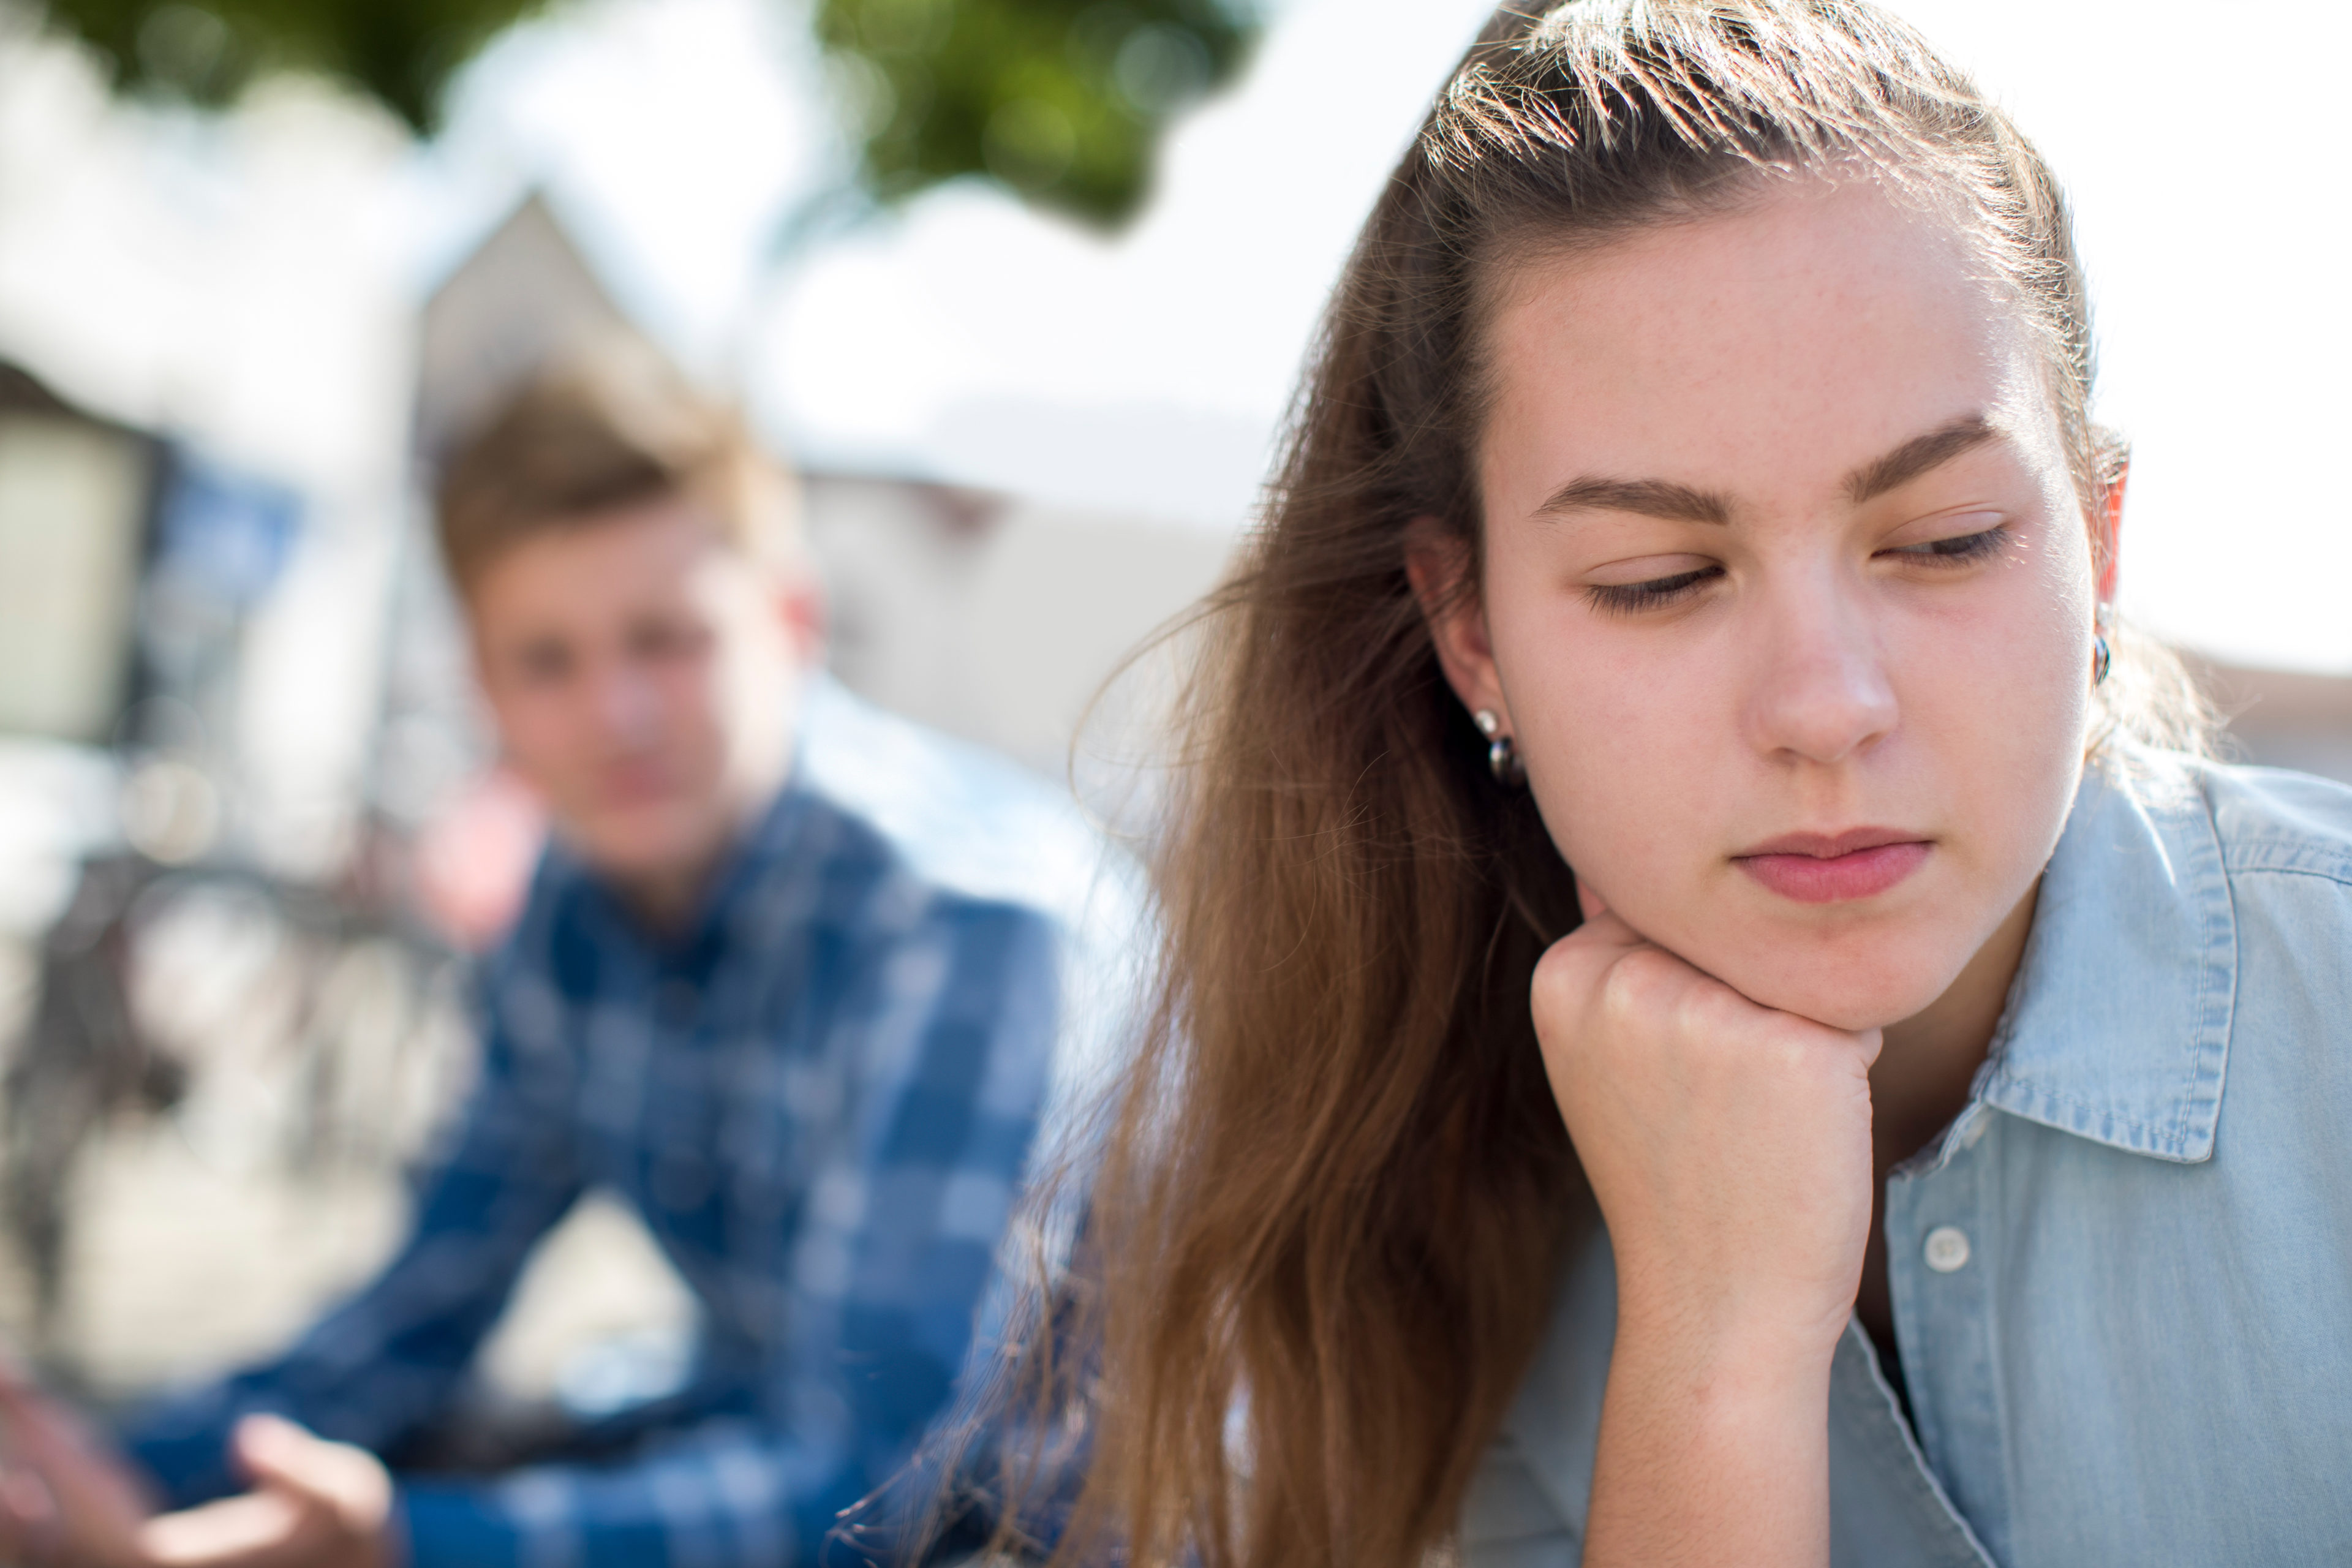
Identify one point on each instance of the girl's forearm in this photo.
(1713, 1450)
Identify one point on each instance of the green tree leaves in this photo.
(400, 52)
(1062, 100)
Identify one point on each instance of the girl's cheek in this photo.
(1605, 815)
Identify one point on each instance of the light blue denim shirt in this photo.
(2122, 1277)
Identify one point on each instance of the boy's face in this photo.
(643, 672)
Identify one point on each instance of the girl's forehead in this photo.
(1789, 249)
(1819, 320)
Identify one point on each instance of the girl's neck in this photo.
(1921, 1079)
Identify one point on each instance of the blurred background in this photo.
(1021, 286)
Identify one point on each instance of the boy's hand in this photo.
(66, 1498)
(66, 1502)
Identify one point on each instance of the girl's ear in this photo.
(1437, 563)
(2110, 526)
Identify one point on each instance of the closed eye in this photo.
(1631, 598)
(1956, 550)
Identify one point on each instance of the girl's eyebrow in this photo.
(1684, 503)
(1919, 454)
(1651, 497)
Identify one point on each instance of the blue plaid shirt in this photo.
(820, 1102)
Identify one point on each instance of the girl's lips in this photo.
(1811, 877)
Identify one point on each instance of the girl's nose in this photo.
(1819, 687)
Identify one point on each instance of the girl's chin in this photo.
(1872, 969)
(1851, 997)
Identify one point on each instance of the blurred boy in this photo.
(789, 983)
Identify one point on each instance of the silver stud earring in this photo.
(1502, 751)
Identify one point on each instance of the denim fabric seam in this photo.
(2099, 1123)
(2217, 981)
(1905, 1463)
(2190, 838)
(2339, 873)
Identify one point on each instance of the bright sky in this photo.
(972, 340)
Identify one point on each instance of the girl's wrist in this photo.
(1738, 1352)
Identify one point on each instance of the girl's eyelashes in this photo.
(1956, 550)
(1631, 598)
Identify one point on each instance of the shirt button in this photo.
(1947, 1248)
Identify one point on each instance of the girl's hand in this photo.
(1729, 1146)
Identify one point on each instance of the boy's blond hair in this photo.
(601, 433)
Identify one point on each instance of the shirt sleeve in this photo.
(952, 1044)
(375, 1369)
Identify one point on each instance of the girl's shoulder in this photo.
(2269, 891)
(2234, 818)
(2277, 820)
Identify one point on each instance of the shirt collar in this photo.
(767, 838)
(2117, 1028)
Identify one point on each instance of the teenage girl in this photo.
(1711, 1015)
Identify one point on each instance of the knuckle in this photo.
(1559, 966)
(1627, 988)
(1647, 976)
(1711, 1015)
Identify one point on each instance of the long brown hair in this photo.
(1334, 1192)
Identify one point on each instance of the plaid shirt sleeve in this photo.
(375, 1369)
(870, 1311)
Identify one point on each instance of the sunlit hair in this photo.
(603, 431)
(1333, 1195)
